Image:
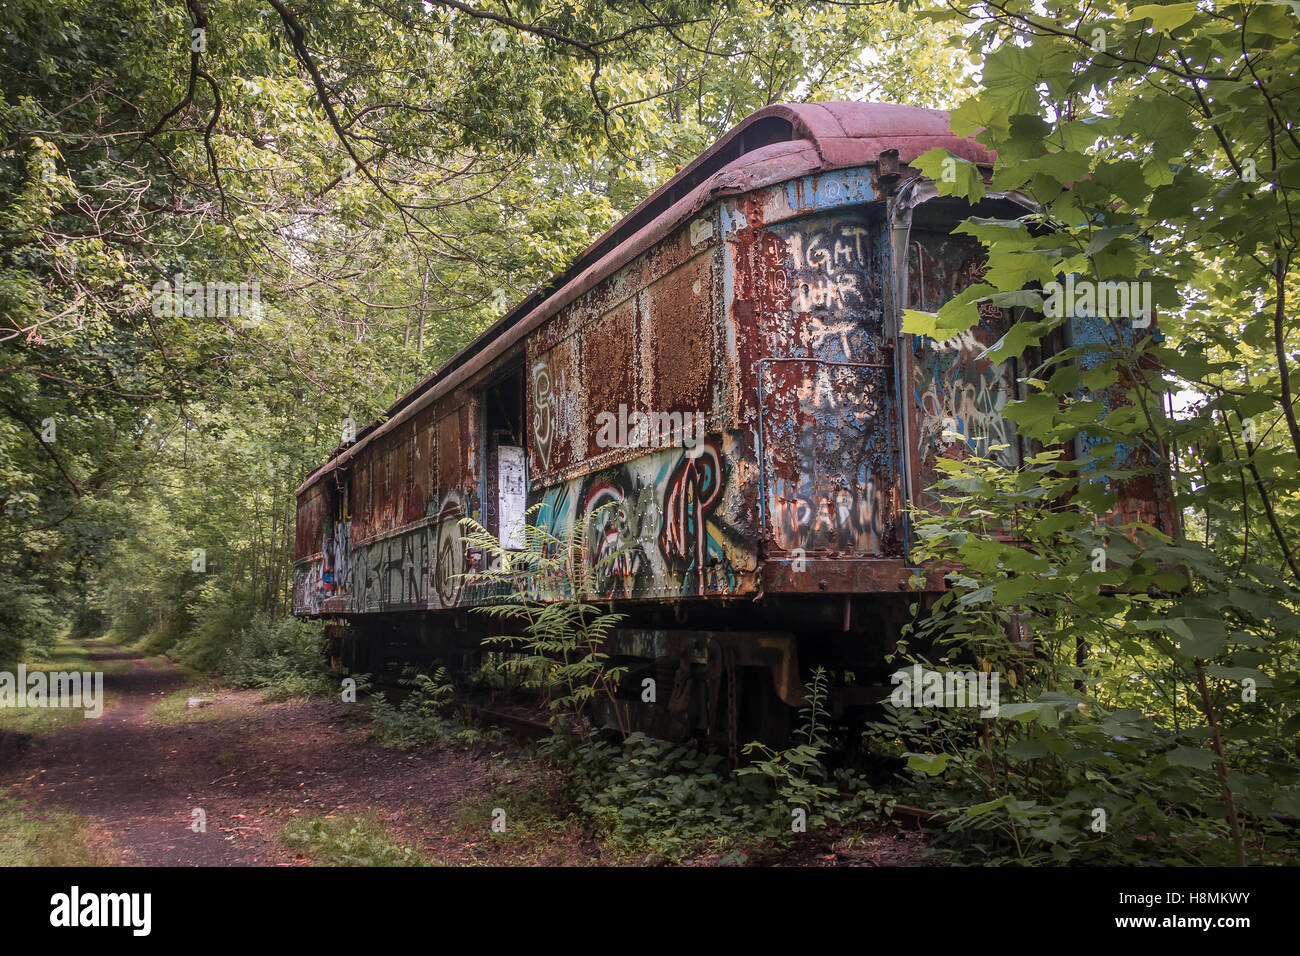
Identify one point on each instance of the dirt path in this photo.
(248, 766)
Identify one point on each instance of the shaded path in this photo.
(248, 766)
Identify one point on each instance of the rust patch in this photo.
(830, 462)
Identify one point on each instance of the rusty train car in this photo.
(725, 365)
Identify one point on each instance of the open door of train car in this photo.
(955, 395)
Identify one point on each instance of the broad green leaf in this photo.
(1165, 16)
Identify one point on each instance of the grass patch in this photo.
(175, 707)
(350, 840)
(44, 837)
(64, 655)
(43, 721)
(540, 827)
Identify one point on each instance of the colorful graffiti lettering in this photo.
(691, 493)
(652, 524)
(449, 551)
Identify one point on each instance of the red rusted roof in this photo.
(769, 146)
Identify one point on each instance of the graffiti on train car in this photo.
(839, 496)
(666, 527)
(328, 577)
(543, 412)
(832, 311)
(308, 594)
(826, 266)
(337, 572)
(554, 404)
(420, 568)
(831, 448)
(393, 572)
(962, 398)
(958, 397)
(450, 561)
(656, 523)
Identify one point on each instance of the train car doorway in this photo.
(505, 480)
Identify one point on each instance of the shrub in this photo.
(285, 655)
(547, 588)
(427, 714)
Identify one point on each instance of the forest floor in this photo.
(242, 781)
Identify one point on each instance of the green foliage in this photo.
(43, 836)
(800, 779)
(29, 623)
(1154, 672)
(348, 840)
(1135, 700)
(798, 773)
(671, 802)
(427, 714)
(285, 656)
(220, 621)
(546, 588)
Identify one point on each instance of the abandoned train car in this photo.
(726, 366)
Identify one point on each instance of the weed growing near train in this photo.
(546, 588)
(427, 714)
(672, 801)
(647, 796)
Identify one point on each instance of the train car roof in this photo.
(772, 145)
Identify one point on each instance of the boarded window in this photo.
(399, 457)
(307, 537)
(361, 496)
(450, 461)
(679, 324)
(422, 466)
(384, 487)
